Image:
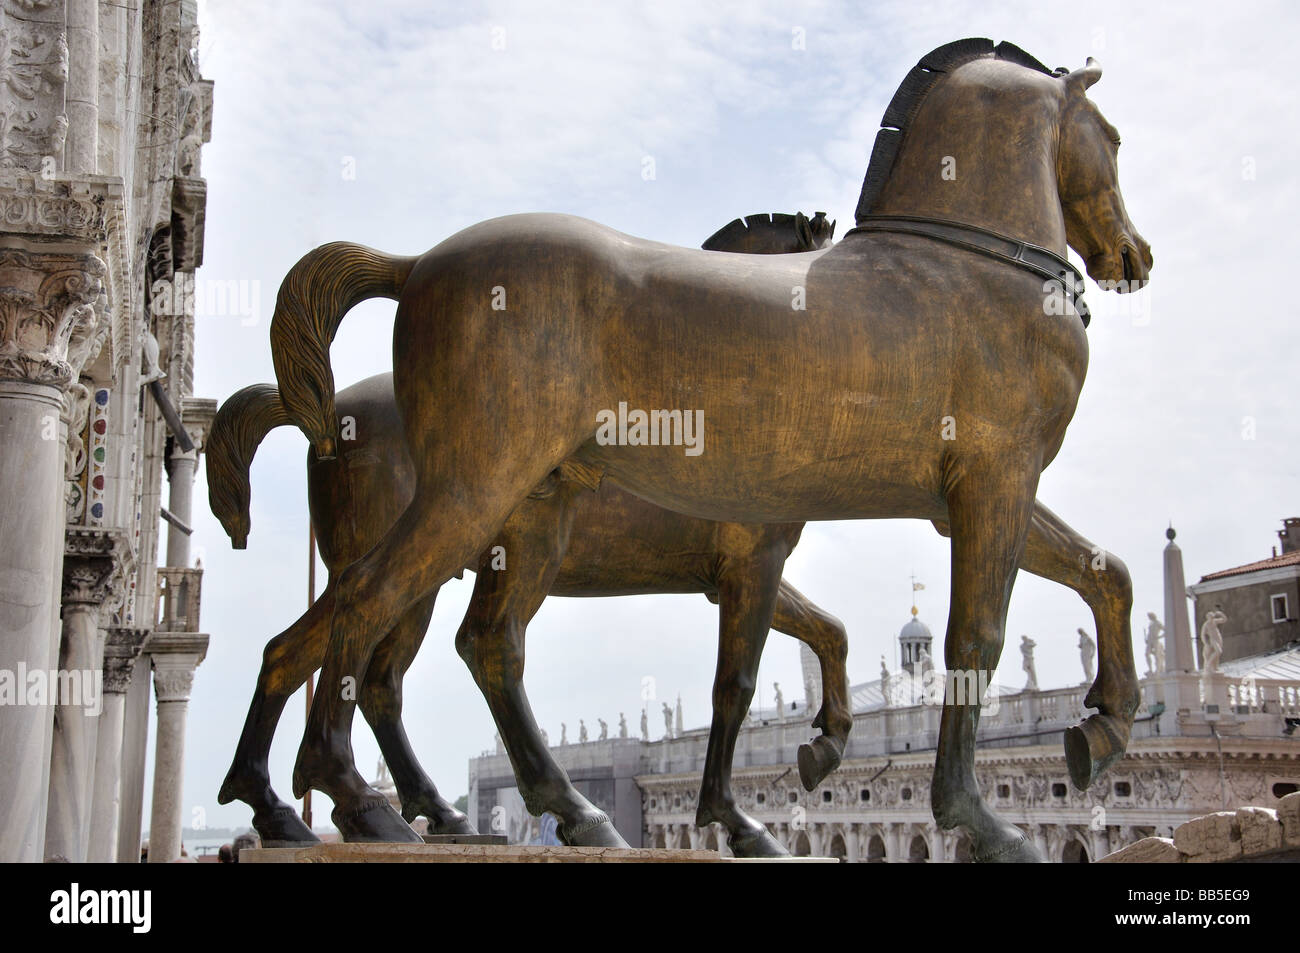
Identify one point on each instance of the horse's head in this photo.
(1097, 225)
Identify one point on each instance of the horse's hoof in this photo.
(597, 832)
(1020, 850)
(757, 843)
(282, 827)
(816, 760)
(1092, 747)
(374, 822)
(446, 821)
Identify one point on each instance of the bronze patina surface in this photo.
(564, 540)
(892, 375)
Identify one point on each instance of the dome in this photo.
(914, 629)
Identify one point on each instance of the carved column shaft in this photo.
(120, 654)
(47, 314)
(175, 657)
(82, 151)
(90, 569)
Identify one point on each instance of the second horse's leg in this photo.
(381, 703)
(491, 641)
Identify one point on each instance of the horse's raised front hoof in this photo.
(442, 820)
(374, 822)
(1093, 746)
(1015, 850)
(756, 843)
(595, 832)
(282, 827)
(816, 760)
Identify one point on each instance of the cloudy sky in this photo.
(396, 123)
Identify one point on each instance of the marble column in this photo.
(852, 842)
(81, 149)
(180, 475)
(91, 569)
(120, 653)
(175, 657)
(135, 746)
(47, 313)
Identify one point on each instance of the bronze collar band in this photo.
(1040, 261)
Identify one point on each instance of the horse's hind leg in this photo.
(747, 592)
(381, 703)
(989, 511)
(796, 615)
(491, 641)
(287, 661)
(1057, 552)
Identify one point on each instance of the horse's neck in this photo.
(980, 161)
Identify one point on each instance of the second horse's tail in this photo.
(241, 423)
(314, 296)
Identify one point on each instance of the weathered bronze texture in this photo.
(565, 540)
(889, 376)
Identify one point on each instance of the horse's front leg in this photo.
(796, 615)
(1057, 552)
(512, 580)
(989, 511)
(747, 593)
(381, 703)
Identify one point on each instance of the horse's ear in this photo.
(1085, 76)
(803, 231)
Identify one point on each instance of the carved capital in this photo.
(172, 681)
(175, 657)
(122, 648)
(49, 314)
(92, 565)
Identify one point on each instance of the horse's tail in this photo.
(239, 426)
(318, 291)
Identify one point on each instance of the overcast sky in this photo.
(396, 123)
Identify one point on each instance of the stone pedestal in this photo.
(175, 657)
(120, 654)
(485, 854)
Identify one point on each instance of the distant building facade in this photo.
(1260, 599)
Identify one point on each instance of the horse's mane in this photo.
(909, 95)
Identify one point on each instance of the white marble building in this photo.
(103, 113)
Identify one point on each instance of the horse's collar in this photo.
(1039, 260)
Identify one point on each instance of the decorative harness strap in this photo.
(1042, 262)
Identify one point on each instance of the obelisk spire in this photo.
(1178, 631)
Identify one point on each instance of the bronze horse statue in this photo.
(616, 544)
(925, 367)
